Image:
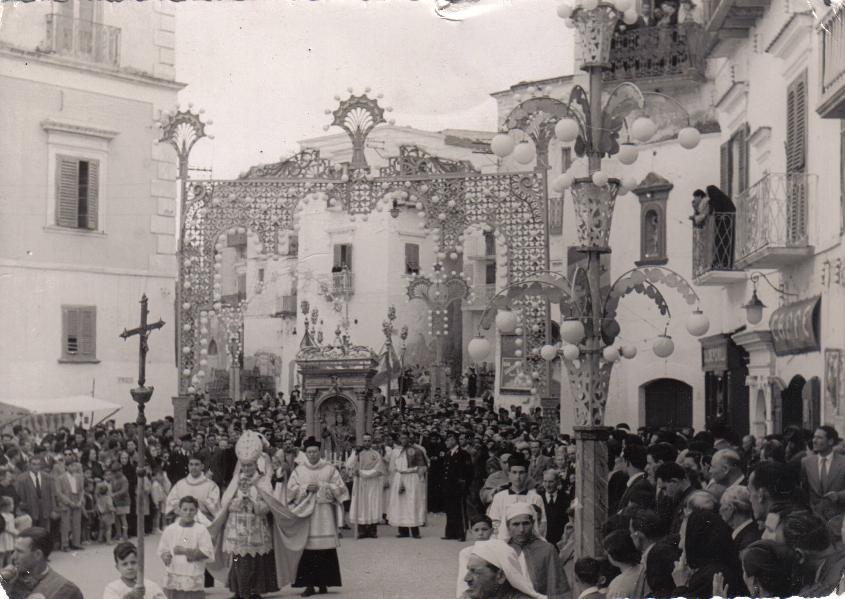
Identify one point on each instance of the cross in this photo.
(143, 333)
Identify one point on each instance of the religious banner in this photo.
(833, 381)
(514, 374)
(795, 327)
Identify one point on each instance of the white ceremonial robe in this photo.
(328, 509)
(203, 489)
(367, 488)
(406, 509)
(498, 510)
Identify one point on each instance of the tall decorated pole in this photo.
(182, 129)
(141, 395)
(388, 330)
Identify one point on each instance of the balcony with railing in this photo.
(286, 306)
(772, 228)
(832, 49)
(713, 250)
(657, 54)
(343, 283)
(727, 20)
(480, 297)
(82, 40)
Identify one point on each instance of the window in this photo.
(796, 125)
(412, 259)
(490, 273)
(77, 193)
(293, 245)
(734, 163)
(79, 334)
(489, 244)
(342, 257)
(260, 275)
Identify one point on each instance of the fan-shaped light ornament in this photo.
(627, 154)
(572, 331)
(506, 322)
(663, 346)
(502, 145)
(548, 352)
(643, 129)
(600, 178)
(524, 152)
(589, 4)
(564, 10)
(629, 351)
(630, 16)
(566, 130)
(689, 137)
(697, 324)
(610, 354)
(570, 352)
(478, 349)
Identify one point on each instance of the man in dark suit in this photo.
(675, 487)
(823, 475)
(538, 463)
(177, 469)
(735, 510)
(556, 503)
(457, 476)
(658, 555)
(35, 490)
(639, 489)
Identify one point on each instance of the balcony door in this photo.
(76, 26)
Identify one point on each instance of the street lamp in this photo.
(754, 307)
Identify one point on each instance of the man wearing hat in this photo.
(494, 572)
(517, 492)
(316, 477)
(539, 556)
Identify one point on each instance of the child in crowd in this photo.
(105, 510)
(184, 548)
(126, 562)
(160, 489)
(90, 517)
(481, 527)
(588, 578)
(9, 532)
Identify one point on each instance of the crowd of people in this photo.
(691, 514)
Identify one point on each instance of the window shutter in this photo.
(742, 145)
(337, 256)
(67, 189)
(70, 332)
(348, 247)
(725, 167)
(796, 125)
(93, 193)
(88, 332)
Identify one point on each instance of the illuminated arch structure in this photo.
(449, 197)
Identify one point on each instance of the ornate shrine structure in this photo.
(448, 196)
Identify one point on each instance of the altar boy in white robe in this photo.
(366, 466)
(407, 489)
(318, 566)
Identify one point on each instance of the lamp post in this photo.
(594, 125)
(438, 292)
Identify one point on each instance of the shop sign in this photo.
(714, 353)
(795, 327)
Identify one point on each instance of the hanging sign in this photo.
(714, 353)
(795, 327)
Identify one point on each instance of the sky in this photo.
(266, 70)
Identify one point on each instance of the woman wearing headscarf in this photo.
(494, 572)
(708, 549)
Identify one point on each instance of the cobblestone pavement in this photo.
(383, 568)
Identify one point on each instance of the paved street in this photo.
(385, 568)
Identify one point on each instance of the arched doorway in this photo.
(668, 404)
(792, 403)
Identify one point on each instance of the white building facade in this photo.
(87, 201)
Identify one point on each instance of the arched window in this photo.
(212, 348)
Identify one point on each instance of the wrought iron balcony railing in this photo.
(84, 40)
(343, 283)
(832, 50)
(713, 245)
(772, 226)
(644, 53)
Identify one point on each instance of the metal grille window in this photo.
(79, 334)
(77, 193)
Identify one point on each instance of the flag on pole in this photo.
(395, 369)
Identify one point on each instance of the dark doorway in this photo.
(668, 404)
(792, 403)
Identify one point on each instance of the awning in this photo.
(795, 327)
(16, 408)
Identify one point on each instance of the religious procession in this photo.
(422, 299)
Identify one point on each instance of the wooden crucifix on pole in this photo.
(141, 395)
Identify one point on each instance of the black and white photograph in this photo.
(422, 299)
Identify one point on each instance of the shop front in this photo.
(725, 366)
